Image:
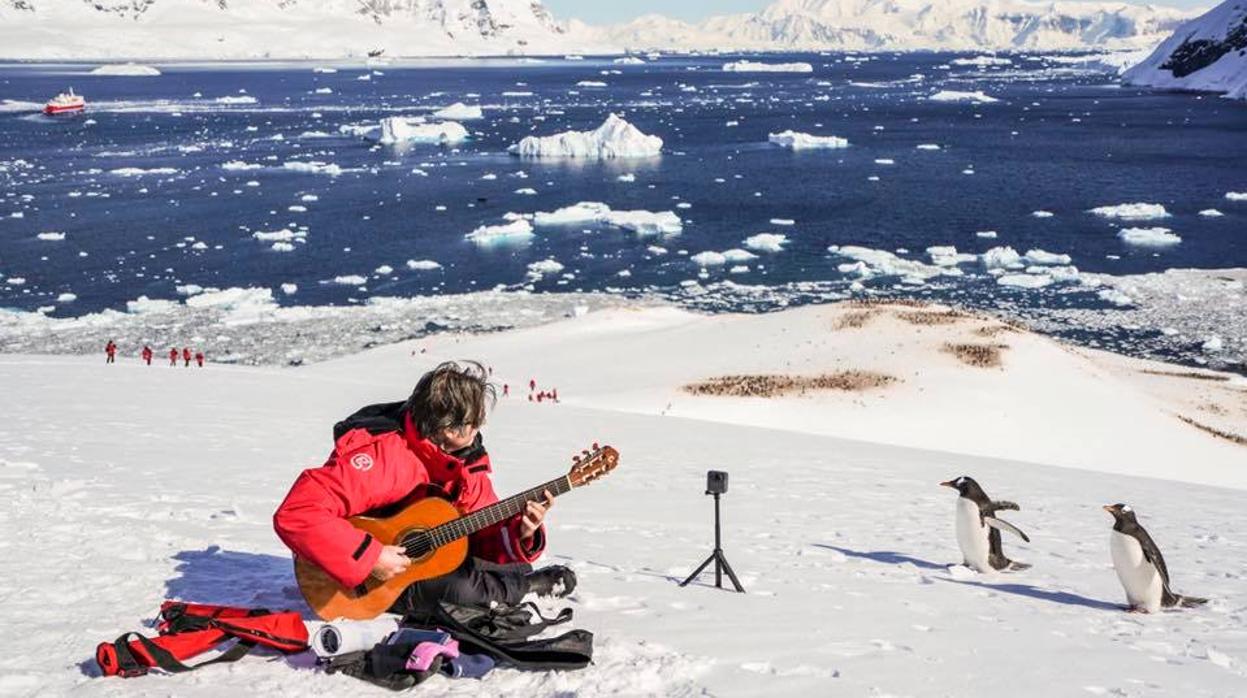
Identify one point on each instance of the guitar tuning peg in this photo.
(575, 459)
(595, 446)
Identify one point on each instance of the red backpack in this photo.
(188, 629)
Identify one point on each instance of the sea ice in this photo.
(398, 129)
(795, 140)
(1132, 212)
(1041, 214)
(422, 265)
(593, 212)
(459, 112)
(1046, 258)
(1236, 195)
(976, 97)
(709, 259)
(518, 230)
(126, 70)
(1148, 237)
(51, 237)
(615, 138)
(1024, 280)
(766, 242)
(313, 167)
(754, 67)
(1211, 213)
(1001, 258)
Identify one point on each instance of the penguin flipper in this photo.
(1151, 553)
(1003, 505)
(1002, 525)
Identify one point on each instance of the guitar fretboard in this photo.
(499, 511)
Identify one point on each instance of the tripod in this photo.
(720, 560)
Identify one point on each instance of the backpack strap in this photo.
(123, 658)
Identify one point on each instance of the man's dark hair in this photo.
(451, 396)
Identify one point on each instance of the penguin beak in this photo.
(948, 483)
(1111, 508)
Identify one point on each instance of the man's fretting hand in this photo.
(392, 562)
(534, 514)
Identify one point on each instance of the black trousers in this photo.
(477, 583)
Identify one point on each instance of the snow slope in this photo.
(910, 24)
(45, 29)
(1208, 53)
(127, 484)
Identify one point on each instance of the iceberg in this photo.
(1148, 237)
(517, 231)
(976, 97)
(794, 140)
(615, 138)
(459, 112)
(596, 213)
(1131, 212)
(766, 242)
(754, 67)
(397, 129)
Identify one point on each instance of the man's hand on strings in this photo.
(534, 514)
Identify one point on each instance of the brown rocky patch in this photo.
(977, 355)
(778, 385)
(855, 319)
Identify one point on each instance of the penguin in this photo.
(978, 529)
(1140, 566)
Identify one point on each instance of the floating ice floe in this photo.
(1236, 195)
(398, 129)
(766, 242)
(51, 237)
(615, 138)
(981, 61)
(629, 60)
(1115, 297)
(1024, 280)
(869, 263)
(948, 256)
(1211, 213)
(783, 221)
(976, 97)
(1041, 214)
(236, 99)
(67, 298)
(593, 212)
(537, 270)
(283, 235)
(1213, 344)
(139, 172)
(794, 140)
(755, 67)
(313, 167)
(709, 259)
(1131, 212)
(1045, 258)
(518, 230)
(590, 83)
(126, 70)
(1148, 237)
(323, 91)
(927, 146)
(422, 265)
(239, 165)
(1001, 258)
(459, 112)
(348, 280)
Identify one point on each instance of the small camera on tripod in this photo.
(716, 482)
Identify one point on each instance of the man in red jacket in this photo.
(384, 454)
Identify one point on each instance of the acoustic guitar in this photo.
(435, 536)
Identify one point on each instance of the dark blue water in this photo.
(1059, 140)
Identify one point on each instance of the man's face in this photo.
(455, 439)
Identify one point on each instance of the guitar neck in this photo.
(499, 511)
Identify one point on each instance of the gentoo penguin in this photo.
(1140, 566)
(978, 529)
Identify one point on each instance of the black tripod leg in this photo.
(731, 575)
(697, 571)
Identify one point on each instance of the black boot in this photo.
(555, 580)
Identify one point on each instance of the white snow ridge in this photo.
(615, 138)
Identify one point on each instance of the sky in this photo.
(610, 11)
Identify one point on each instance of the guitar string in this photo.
(466, 525)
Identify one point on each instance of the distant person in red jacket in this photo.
(173, 356)
(186, 356)
(147, 354)
(199, 358)
(110, 350)
(385, 453)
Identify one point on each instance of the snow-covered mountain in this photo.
(274, 28)
(911, 24)
(1208, 53)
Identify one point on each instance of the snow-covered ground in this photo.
(127, 484)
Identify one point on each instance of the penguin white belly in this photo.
(972, 536)
(1138, 577)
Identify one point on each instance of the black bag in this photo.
(502, 632)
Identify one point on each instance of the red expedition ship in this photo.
(65, 102)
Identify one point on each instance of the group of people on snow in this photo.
(185, 354)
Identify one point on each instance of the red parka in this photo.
(379, 459)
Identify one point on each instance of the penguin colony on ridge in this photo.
(1140, 567)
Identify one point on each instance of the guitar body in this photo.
(331, 600)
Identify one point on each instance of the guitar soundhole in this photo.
(418, 544)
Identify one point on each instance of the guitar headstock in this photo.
(592, 464)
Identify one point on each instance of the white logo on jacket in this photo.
(361, 461)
